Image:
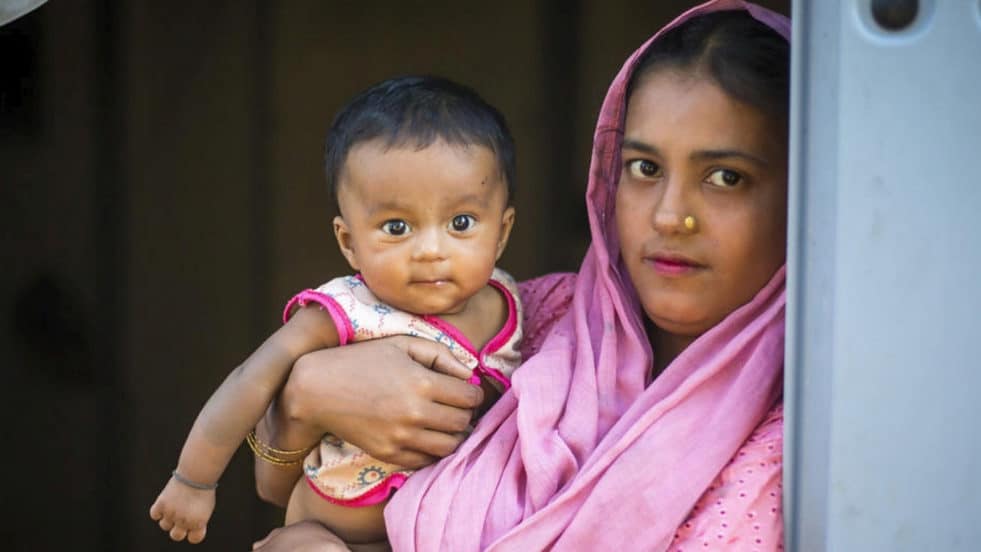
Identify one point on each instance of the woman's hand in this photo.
(303, 536)
(403, 400)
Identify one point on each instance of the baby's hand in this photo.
(183, 511)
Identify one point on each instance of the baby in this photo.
(422, 170)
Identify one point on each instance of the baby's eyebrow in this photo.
(393, 205)
(470, 199)
(386, 205)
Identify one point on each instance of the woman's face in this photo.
(690, 150)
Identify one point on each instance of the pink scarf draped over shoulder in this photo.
(583, 452)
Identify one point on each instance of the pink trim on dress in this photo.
(495, 343)
(503, 336)
(345, 331)
(374, 496)
(456, 335)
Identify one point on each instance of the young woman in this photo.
(648, 414)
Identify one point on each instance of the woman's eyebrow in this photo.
(640, 146)
(712, 155)
(701, 155)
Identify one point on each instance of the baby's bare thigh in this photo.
(353, 525)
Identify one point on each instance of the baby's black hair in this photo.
(416, 111)
(746, 58)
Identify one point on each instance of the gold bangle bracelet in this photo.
(273, 455)
(276, 461)
(253, 438)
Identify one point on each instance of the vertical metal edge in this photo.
(795, 215)
(818, 286)
(811, 238)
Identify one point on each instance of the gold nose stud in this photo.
(690, 222)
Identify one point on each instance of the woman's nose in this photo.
(671, 209)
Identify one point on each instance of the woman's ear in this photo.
(343, 235)
(507, 222)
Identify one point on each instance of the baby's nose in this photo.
(428, 245)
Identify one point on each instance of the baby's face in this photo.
(424, 227)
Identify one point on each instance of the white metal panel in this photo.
(884, 326)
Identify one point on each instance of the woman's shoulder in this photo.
(545, 299)
(555, 284)
(742, 507)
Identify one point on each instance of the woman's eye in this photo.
(643, 168)
(462, 223)
(725, 178)
(395, 227)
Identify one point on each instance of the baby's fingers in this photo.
(178, 533)
(196, 535)
(156, 510)
(166, 524)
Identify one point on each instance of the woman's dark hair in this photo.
(416, 111)
(747, 59)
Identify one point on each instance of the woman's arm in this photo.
(402, 400)
(391, 397)
(303, 536)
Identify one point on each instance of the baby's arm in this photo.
(403, 400)
(187, 501)
(275, 482)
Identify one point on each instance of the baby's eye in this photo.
(643, 168)
(725, 178)
(395, 227)
(462, 223)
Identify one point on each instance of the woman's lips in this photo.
(673, 265)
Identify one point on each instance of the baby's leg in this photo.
(354, 525)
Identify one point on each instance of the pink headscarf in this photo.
(582, 453)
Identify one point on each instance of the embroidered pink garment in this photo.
(741, 509)
(342, 473)
(583, 452)
(359, 315)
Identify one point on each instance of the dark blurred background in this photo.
(161, 197)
